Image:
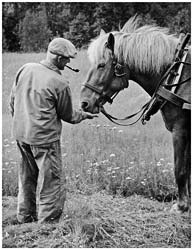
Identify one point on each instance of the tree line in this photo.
(29, 26)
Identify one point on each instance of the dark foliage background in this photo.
(29, 26)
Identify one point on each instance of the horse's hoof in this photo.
(177, 210)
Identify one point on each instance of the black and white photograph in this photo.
(96, 124)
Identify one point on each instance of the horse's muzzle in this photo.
(87, 107)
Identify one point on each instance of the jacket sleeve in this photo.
(64, 108)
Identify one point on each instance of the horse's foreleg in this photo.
(181, 142)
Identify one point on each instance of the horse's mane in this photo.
(148, 48)
(132, 24)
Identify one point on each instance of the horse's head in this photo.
(105, 78)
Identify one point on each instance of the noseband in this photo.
(119, 71)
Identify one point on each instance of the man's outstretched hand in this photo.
(89, 115)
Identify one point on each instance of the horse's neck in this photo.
(147, 82)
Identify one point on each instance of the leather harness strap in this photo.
(171, 97)
(166, 88)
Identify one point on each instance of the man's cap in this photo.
(62, 47)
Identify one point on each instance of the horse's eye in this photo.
(101, 65)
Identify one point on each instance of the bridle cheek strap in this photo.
(119, 73)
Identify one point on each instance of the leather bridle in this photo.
(119, 71)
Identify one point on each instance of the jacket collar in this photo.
(50, 66)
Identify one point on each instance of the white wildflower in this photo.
(116, 168)
(112, 155)
(105, 161)
(13, 162)
(95, 164)
(6, 234)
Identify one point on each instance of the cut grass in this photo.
(101, 221)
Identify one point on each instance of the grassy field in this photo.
(122, 177)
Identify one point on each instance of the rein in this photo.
(114, 119)
(119, 72)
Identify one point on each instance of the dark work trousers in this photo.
(41, 166)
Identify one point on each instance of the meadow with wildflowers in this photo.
(122, 178)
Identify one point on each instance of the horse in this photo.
(143, 54)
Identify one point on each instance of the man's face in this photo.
(62, 61)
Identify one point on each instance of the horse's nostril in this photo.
(84, 105)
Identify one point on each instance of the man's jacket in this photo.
(39, 100)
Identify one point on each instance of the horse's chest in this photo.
(175, 117)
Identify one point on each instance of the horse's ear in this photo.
(111, 42)
(102, 32)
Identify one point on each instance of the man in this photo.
(39, 100)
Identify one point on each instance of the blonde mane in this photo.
(96, 51)
(147, 49)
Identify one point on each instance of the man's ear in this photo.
(59, 58)
(111, 42)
